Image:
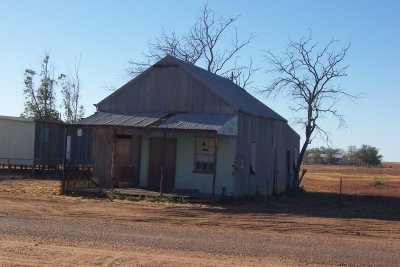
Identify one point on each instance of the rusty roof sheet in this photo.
(187, 121)
(127, 120)
(184, 121)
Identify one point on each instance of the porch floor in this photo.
(190, 197)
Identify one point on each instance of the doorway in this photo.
(126, 163)
(155, 161)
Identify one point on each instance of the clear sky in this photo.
(108, 33)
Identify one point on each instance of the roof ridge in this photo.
(243, 100)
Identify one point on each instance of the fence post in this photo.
(63, 189)
(8, 168)
(266, 195)
(340, 193)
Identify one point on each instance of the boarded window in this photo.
(253, 153)
(204, 155)
(45, 135)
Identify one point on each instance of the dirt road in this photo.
(39, 227)
(55, 236)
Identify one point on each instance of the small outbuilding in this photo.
(31, 142)
(179, 128)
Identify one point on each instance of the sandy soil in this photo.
(40, 227)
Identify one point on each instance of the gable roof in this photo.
(227, 90)
(223, 88)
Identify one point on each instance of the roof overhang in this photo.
(222, 124)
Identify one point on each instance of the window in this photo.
(253, 154)
(79, 132)
(44, 137)
(204, 155)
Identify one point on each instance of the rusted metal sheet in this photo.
(274, 140)
(112, 119)
(199, 122)
(49, 142)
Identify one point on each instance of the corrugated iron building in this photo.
(17, 140)
(38, 142)
(180, 127)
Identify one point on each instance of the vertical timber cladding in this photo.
(273, 140)
(102, 159)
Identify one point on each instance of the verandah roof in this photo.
(221, 123)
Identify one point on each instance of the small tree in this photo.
(203, 44)
(351, 155)
(306, 75)
(70, 90)
(40, 102)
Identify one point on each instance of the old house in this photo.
(182, 128)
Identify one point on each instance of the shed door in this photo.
(288, 184)
(155, 161)
(126, 152)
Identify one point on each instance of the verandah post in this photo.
(215, 169)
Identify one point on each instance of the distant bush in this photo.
(365, 155)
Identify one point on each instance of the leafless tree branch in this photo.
(306, 75)
(202, 45)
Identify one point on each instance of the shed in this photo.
(178, 127)
(17, 140)
(25, 141)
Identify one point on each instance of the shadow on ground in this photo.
(320, 204)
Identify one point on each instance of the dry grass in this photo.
(357, 180)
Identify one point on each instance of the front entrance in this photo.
(157, 149)
(126, 163)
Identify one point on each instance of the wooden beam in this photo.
(215, 170)
(163, 162)
(63, 191)
(113, 159)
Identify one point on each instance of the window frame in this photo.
(207, 169)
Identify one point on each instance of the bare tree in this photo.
(306, 75)
(70, 90)
(202, 45)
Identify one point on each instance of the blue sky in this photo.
(108, 33)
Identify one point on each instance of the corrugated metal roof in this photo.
(16, 118)
(227, 90)
(129, 120)
(196, 122)
(183, 121)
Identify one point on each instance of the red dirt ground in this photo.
(306, 228)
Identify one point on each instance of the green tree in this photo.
(369, 155)
(351, 155)
(40, 102)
